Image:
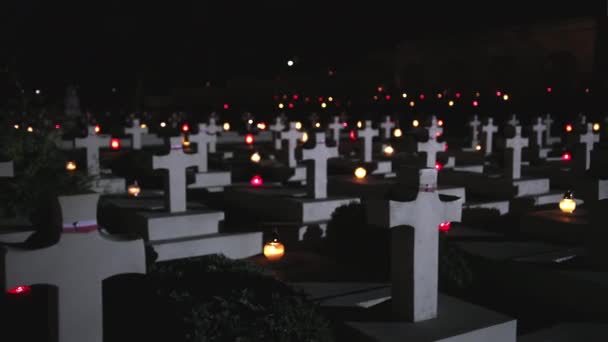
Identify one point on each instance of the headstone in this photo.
(136, 131)
(516, 144)
(387, 126)
(588, 139)
(582, 119)
(77, 265)
(431, 147)
(92, 143)
(434, 129)
(214, 129)
(72, 103)
(202, 140)
(277, 128)
(176, 163)
(415, 244)
(367, 134)
(475, 131)
(489, 129)
(538, 129)
(548, 123)
(336, 127)
(316, 176)
(292, 136)
(513, 121)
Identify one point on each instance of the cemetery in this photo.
(381, 200)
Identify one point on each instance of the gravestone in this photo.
(435, 131)
(136, 132)
(367, 134)
(387, 126)
(431, 147)
(292, 136)
(513, 163)
(474, 124)
(92, 143)
(588, 139)
(489, 129)
(212, 181)
(414, 252)
(316, 175)
(538, 130)
(77, 265)
(176, 163)
(548, 123)
(335, 127)
(72, 103)
(513, 121)
(277, 128)
(213, 129)
(202, 140)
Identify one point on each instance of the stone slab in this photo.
(457, 321)
(286, 205)
(602, 189)
(548, 198)
(110, 185)
(164, 225)
(6, 169)
(299, 175)
(501, 206)
(320, 292)
(211, 180)
(567, 332)
(469, 168)
(507, 250)
(383, 167)
(553, 225)
(531, 186)
(235, 246)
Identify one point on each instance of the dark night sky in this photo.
(109, 39)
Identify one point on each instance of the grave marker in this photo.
(136, 132)
(489, 129)
(387, 126)
(367, 134)
(176, 163)
(516, 144)
(292, 136)
(316, 176)
(92, 143)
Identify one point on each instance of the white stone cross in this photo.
(489, 129)
(538, 129)
(277, 128)
(516, 144)
(136, 131)
(213, 129)
(175, 163)
(415, 246)
(367, 134)
(387, 126)
(77, 265)
(548, 123)
(292, 136)
(588, 139)
(431, 147)
(92, 143)
(513, 121)
(434, 130)
(202, 140)
(316, 176)
(475, 127)
(582, 119)
(336, 127)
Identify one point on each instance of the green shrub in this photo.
(229, 300)
(40, 173)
